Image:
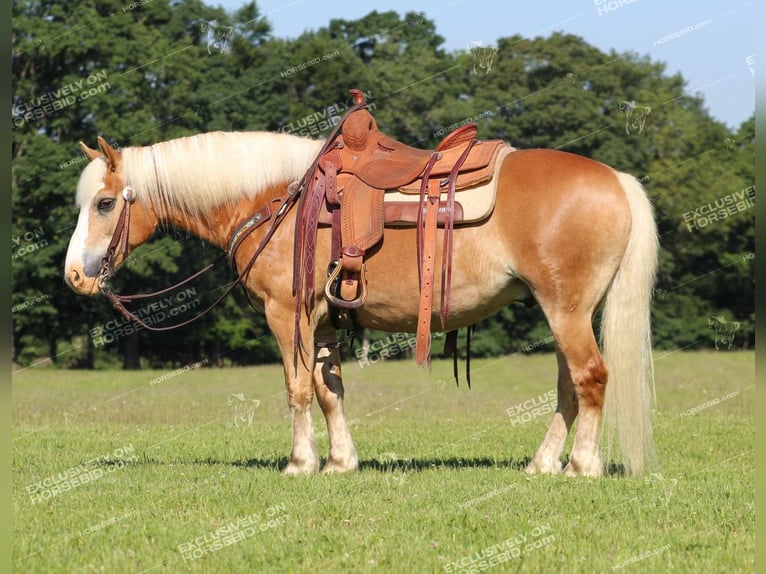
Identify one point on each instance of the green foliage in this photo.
(157, 71)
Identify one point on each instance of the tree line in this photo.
(148, 72)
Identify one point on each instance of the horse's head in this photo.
(102, 195)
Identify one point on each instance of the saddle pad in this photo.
(477, 202)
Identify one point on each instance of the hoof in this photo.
(334, 466)
(549, 466)
(296, 469)
(591, 471)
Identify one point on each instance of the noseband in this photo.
(119, 239)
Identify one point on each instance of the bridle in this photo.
(119, 244)
(119, 241)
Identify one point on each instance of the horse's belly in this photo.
(482, 281)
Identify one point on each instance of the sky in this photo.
(710, 42)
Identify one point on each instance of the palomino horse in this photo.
(571, 232)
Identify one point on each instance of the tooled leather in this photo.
(361, 215)
(309, 235)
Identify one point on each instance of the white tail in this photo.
(626, 340)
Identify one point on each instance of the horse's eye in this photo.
(105, 204)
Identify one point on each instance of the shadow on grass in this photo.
(383, 465)
(421, 464)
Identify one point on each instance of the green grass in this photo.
(441, 480)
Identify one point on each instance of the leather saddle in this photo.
(355, 168)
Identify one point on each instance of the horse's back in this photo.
(557, 174)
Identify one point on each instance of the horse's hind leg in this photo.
(328, 385)
(547, 459)
(588, 374)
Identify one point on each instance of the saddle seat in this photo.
(385, 163)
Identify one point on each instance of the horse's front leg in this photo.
(328, 385)
(298, 367)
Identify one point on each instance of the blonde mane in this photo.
(201, 172)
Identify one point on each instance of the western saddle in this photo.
(346, 188)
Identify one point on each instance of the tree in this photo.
(149, 73)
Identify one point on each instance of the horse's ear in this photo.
(91, 153)
(112, 155)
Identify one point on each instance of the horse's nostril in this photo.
(74, 278)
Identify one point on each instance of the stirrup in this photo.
(353, 303)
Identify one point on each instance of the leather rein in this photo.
(119, 241)
(119, 244)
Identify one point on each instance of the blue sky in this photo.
(716, 57)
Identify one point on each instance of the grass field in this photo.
(138, 471)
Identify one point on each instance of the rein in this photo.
(119, 243)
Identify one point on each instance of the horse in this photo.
(573, 235)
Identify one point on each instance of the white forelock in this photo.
(91, 181)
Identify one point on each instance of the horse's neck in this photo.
(192, 192)
(218, 226)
